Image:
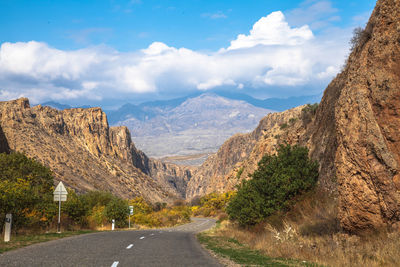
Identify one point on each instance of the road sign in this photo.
(131, 210)
(60, 193)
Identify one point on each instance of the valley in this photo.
(293, 181)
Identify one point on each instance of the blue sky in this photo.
(53, 50)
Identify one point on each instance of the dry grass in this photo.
(310, 232)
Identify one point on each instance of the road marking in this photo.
(128, 247)
(151, 234)
(115, 264)
(142, 237)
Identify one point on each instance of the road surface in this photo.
(175, 246)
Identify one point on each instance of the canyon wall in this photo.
(85, 153)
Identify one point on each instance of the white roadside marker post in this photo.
(7, 232)
(112, 225)
(60, 194)
(130, 213)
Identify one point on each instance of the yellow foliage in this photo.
(213, 204)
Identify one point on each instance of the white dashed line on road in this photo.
(151, 234)
(115, 264)
(142, 237)
(130, 246)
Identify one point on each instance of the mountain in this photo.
(56, 105)
(86, 154)
(152, 108)
(198, 125)
(353, 133)
(278, 104)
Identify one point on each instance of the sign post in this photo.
(130, 213)
(7, 232)
(60, 194)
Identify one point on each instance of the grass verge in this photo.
(241, 254)
(26, 240)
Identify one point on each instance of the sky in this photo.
(109, 52)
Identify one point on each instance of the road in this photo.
(175, 246)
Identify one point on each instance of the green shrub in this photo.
(118, 210)
(283, 126)
(239, 172)
(274, 185)
(26, 191)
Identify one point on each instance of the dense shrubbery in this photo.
(274, 185)
(25, 191)
(159, 215)
(212, 204)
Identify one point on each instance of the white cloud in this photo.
(272, 30)
(273, 54)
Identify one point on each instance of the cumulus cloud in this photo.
(272, 30)
(272, 54)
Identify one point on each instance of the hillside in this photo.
(353, 135)
(86, 154)
(196, 126)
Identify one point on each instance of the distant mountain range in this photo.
(195, 124)
(150, 109)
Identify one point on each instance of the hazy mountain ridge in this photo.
(198, 125)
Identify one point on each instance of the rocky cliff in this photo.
(239, 155)
(354, 133)
(85, 153)
(359, 118)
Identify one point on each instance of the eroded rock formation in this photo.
(85, 153)
(354, 134)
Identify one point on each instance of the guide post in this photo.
(7, 232)
(130, 213)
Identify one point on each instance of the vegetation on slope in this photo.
(274, 185)
(26, 191)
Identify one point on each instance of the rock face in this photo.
(239, 155)
(366, 124)
(85, 153)
(354, 134)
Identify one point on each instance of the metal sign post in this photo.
(60, 194)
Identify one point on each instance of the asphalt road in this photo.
(164, 247)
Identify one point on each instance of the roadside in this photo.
(26, 240)
(230, 252)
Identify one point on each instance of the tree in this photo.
(25, 190)
(274, 185)
(118, 210)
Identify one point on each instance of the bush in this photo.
(213, 204)
(77, 208)
(308, 112)
(360, 37)
(274, 185)
(284, 126)
(118, 210)
(26, 191)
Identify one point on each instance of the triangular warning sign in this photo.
(60, 189)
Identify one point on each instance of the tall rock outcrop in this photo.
(354, 134)
(84, 152)
(360, 119)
